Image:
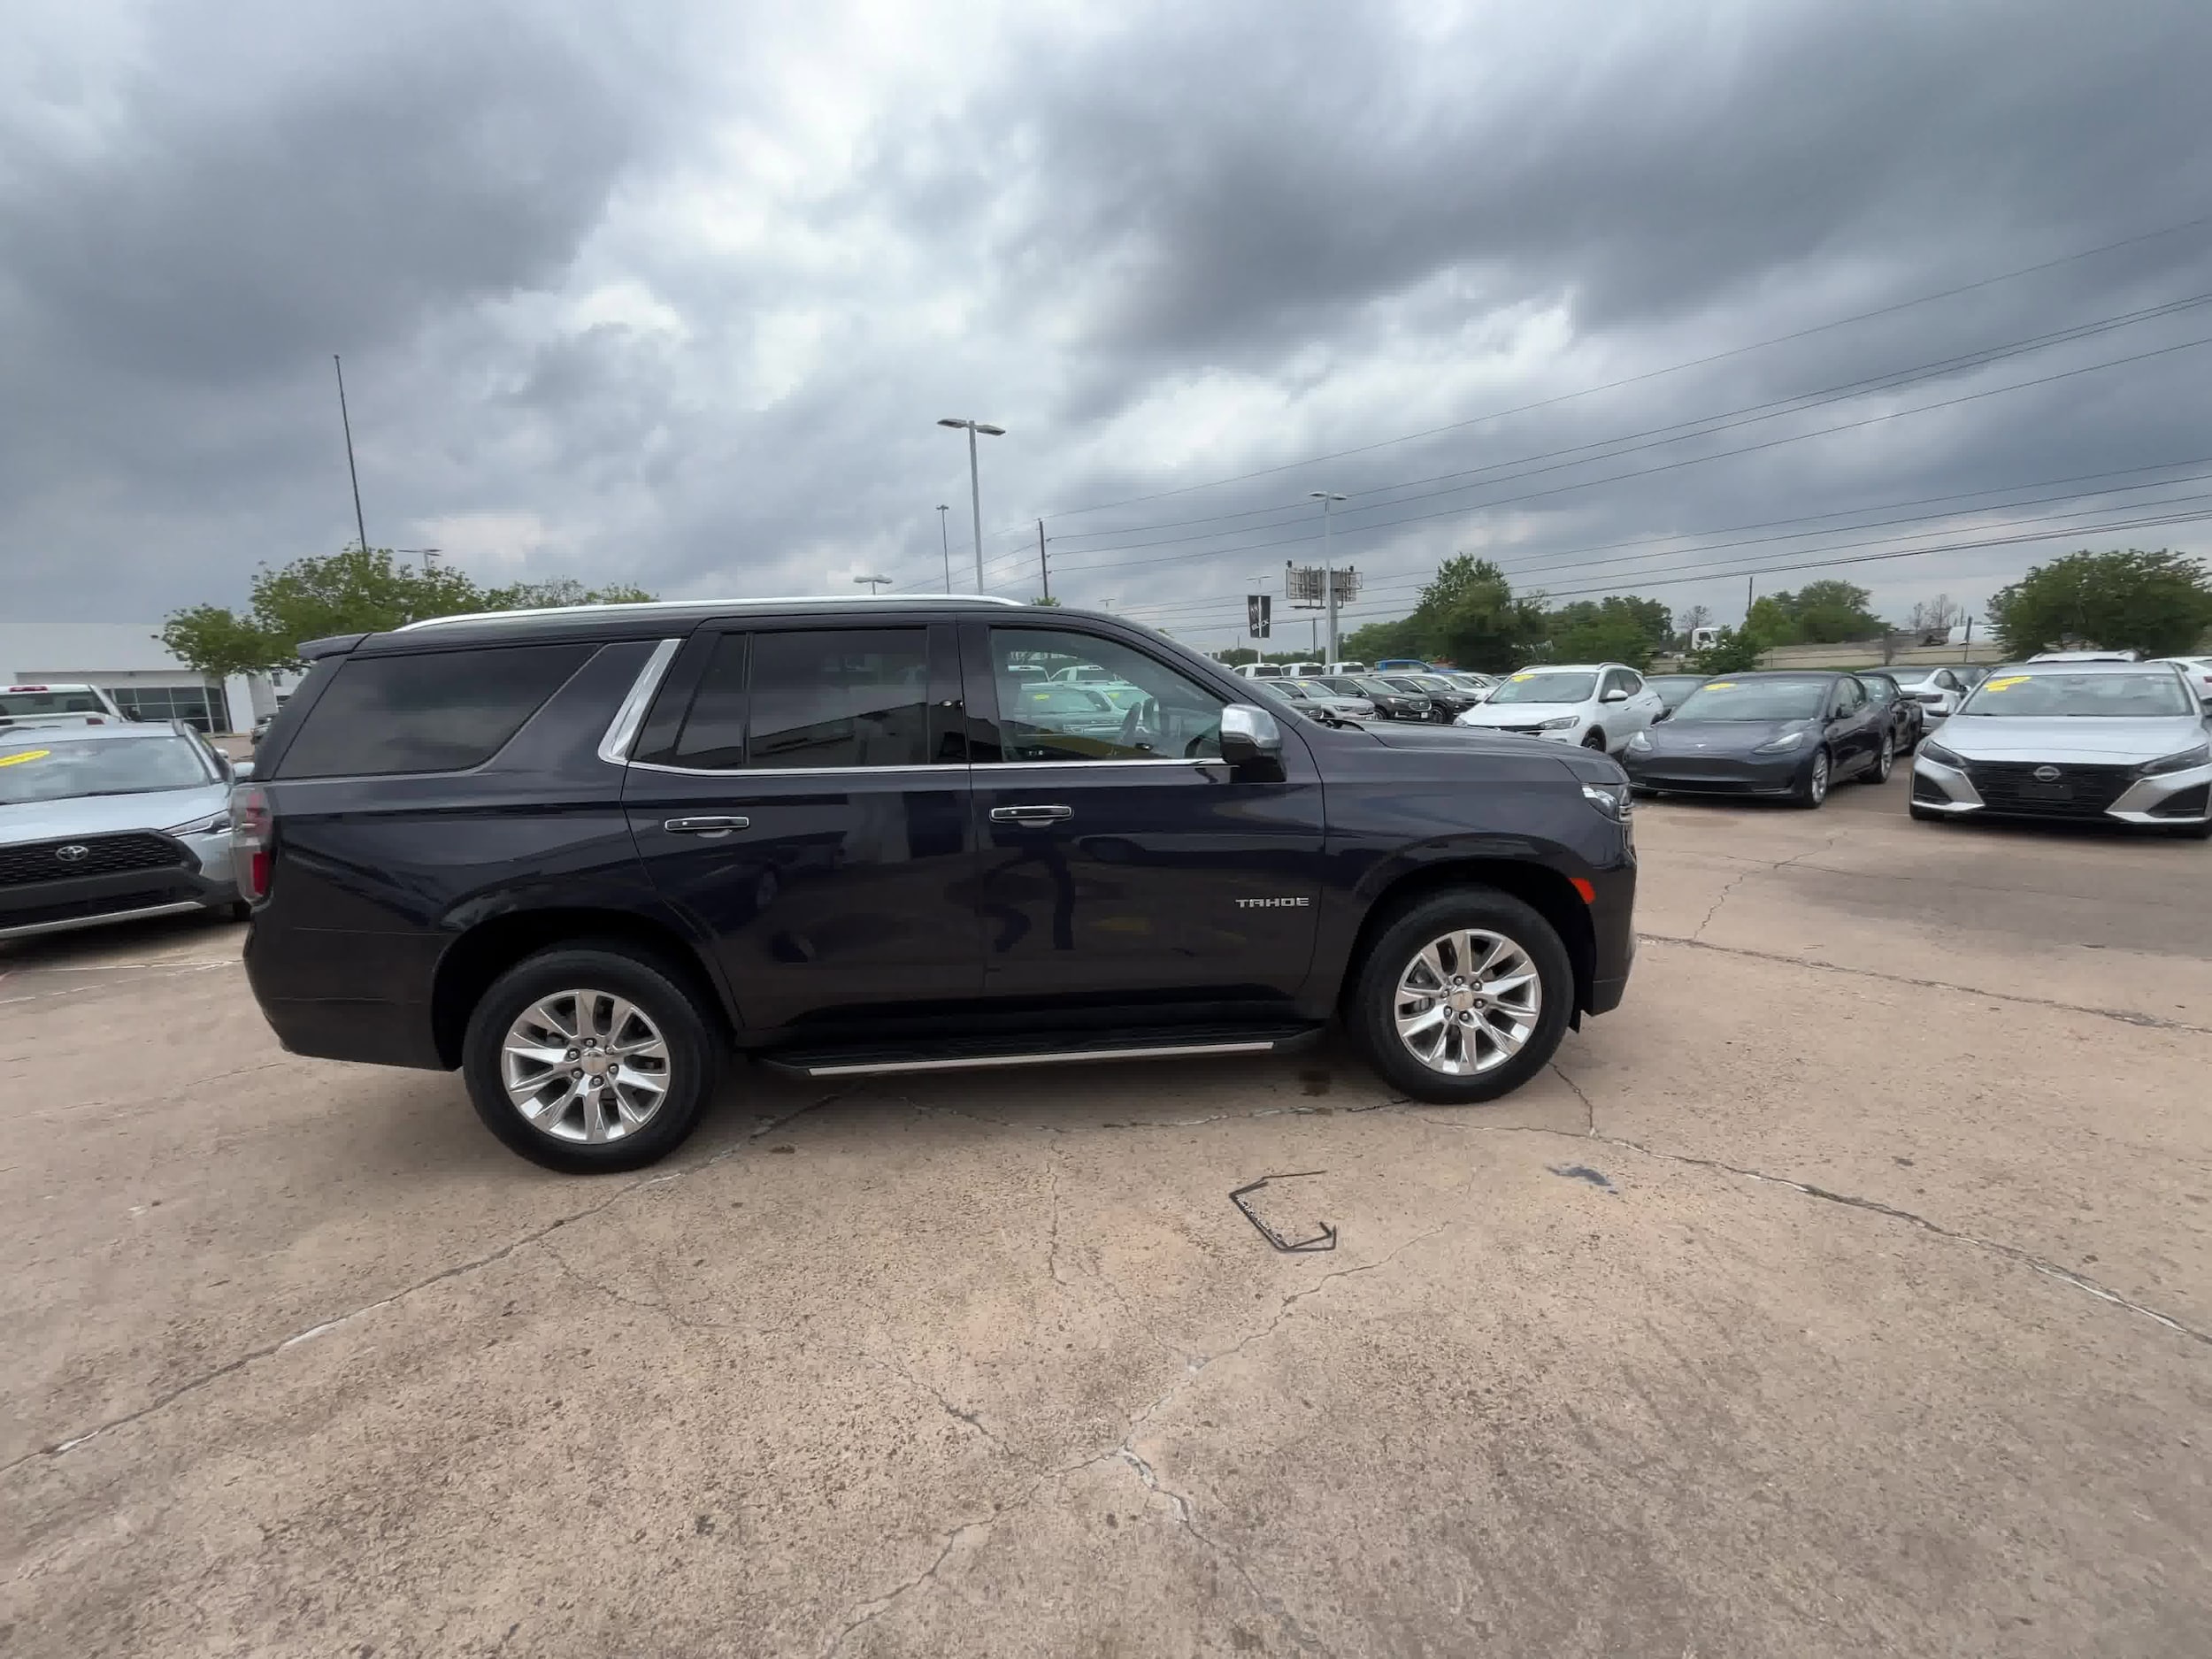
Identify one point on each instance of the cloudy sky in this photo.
(1613, 293)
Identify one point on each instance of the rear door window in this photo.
(428, 712)
(842, 697)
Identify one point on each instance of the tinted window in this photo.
(1137, 710)
(848, 697)
(438, 711)
(713, 734)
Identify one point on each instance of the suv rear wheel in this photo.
(1464, 997)
(588, 1057)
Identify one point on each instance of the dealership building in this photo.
(127, 660)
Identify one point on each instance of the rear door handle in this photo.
(1030, 814)
(705, 825)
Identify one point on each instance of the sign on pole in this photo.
(1259, 614)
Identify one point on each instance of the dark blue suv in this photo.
(584, 855)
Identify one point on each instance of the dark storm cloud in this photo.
(679, 301)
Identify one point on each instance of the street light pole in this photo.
(975, 487)
(346, 421)
(944, 540)
(1328, 500)
(874, 582)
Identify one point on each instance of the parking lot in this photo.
(1848, 1291)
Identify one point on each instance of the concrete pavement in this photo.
(1849, 1290)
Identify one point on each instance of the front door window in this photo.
(1070, 696)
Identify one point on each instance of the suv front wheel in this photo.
(1464, 997)
(587, 1057)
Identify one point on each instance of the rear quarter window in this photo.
(433, 711)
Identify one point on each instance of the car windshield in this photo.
(1755, 700)
(1345, 687)
(1287, 690)
(1530, 686)
(1673, 687)
(1880, 689)
(1378, 687)
(2084, 696)
(21, 703)
(60, 768)
(1407, 683)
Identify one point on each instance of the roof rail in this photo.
(655, 606)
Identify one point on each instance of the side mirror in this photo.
(1617, 695)
(242, 772)
(1251, 742)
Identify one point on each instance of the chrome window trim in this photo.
(614, 747)
(934, 768)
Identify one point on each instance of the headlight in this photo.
(1782, 745)
(2201, 755)
(217, 824)
(1639, 742)
(1610, 799)
(1560, 723)
(1941, 756)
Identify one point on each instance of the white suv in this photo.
(1597, 705)
(58, 705)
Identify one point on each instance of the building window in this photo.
(202, 707)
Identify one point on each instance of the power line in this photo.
(1633, 380)
(1668, 466)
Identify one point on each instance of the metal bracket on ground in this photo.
(1324, 1239)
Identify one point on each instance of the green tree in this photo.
(358, 591)
(1468, 616)
(1612, 630)
(1819, 613)
(1732, 652)
(2159, 603)
(1378, 641)
(1045, 600)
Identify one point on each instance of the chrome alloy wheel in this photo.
(1817, 786)
(584, 1065)
(1467, 1002)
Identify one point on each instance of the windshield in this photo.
(1755, 700)
(1529, 686)
(59, 768)
(1345, 687)
(1382, 688)
(1673, 687)
(1878, 689)
(1287, 690)
(2086, 696)
(1408, 684)
(19, 703)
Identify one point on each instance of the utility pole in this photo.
(346, 421)
(1747, 599)
(944, 539)
(1328, 567)
(1044, 571)
(975, 488)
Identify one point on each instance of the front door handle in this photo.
(1030, 814)
(705, 825)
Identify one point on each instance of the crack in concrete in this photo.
(1728, 890)
(2126, 1016)
(1186, 1518)
(974, 1420)
(2011, 1252)
(1125, 1452)
(1052, 1242)
(1589, 1106)
(169, 1397)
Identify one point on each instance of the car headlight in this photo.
(1612, 799)
(215, 823)
(1782, 745)
(2201, 755)
(1942, 756)
(1560, 724)
(1640, 744)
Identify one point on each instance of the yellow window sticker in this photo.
(2008, 682)
(23, 756)
(1720, 685)
(1526, 673)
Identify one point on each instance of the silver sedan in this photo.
(105, 823)
(2124, 743)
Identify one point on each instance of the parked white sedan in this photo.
(1597, 705)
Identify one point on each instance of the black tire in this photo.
(693, 1054)
(1594, 739)
(1371, 1013)
(1885, 760)
(1812, 784)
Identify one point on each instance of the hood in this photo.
(2086, 740)
(1522, 713)
(1678, 736)
(1460, 737)
(105, 814)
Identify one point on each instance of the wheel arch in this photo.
(487, 950)
(1545, 890)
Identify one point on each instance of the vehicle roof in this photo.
(1782, 674)
(653, 618)
(1568, 668)
(2105, 667)
(62, 731)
